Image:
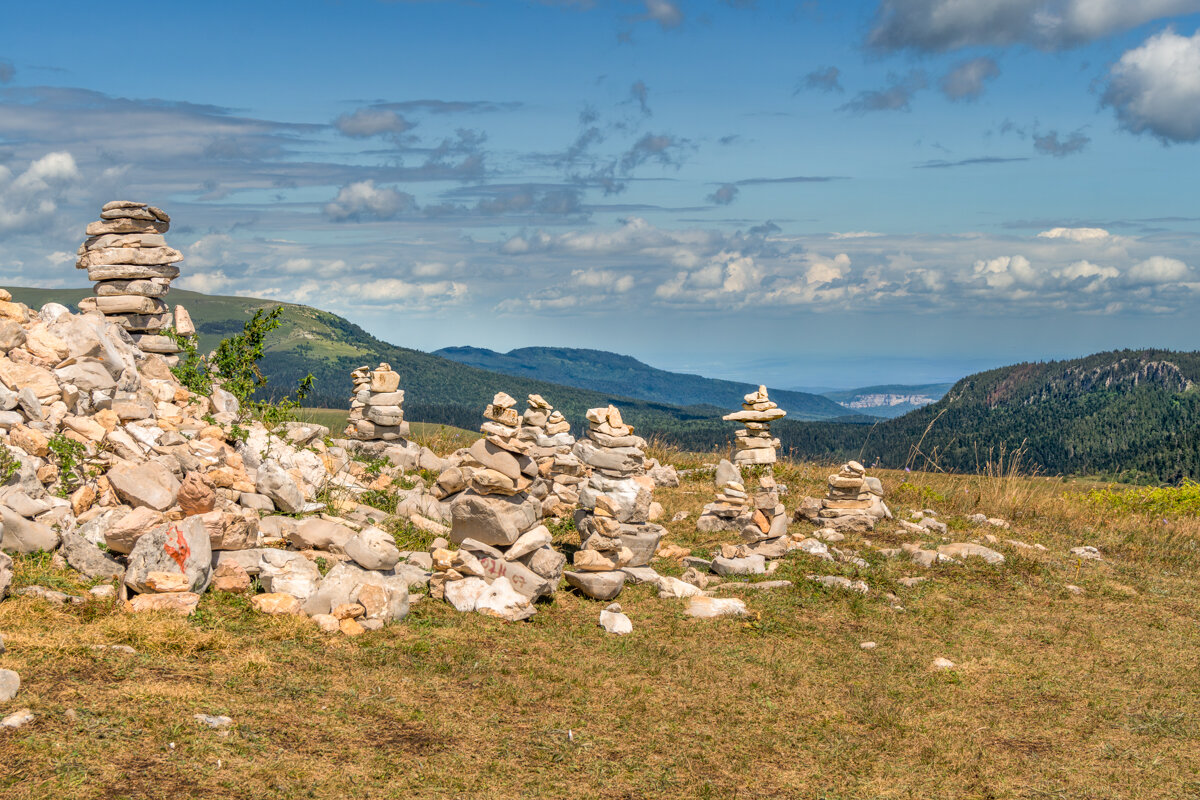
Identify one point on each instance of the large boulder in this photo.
(315, 533)
(122, 534)
(287, 572)
(492, 519)
(149, 484)
(20, 535)
(276, 484)
(373, 549)
(177, 547)
(597, 585)
(89, 559)
(346, 583)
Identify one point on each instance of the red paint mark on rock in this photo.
(178, 554)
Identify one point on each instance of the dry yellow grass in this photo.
(1056, 695)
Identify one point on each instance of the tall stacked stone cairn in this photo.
(614, 531)
(854, 501)
(760, 518)
(548, 435)
(128, 258)
(505, 559)
(377, 407)
(754, 443)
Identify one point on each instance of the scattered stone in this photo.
(867, 645)
(704, 607)
(209, 721)
(964, 550)
(1087, 553)
(1073, 589)
(10, 684)
(941, 663)
(17, 719)
(176, 602)
(277, 603)
(838, 582)
(613, 621)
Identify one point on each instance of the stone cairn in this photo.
(761, 520)
(376, 409)
(128, 258)
(730, 511)
(548, 435)
(854, 501)
(505, 559)
(754, 444)
(614, 531)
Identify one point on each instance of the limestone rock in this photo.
(597, 585)
(149, 484)
(20, 535)
(88, 559)
(181, 547)
(704, 607)
(373, 549)
(276, 484)
(175, 602)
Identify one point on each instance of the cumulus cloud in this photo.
(1049, 144)
(603, 279)
(367, 122)
(363, 201)
(1160, 269)
(667, 14)
(941, 25)
(206, 282)
(1076, 234)
(1155, 88)
(896, 96)
(825, 79)
(29, 199)
(966, 81)
(725, 194)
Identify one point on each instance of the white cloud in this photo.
(1005, 271)
(1159, 269)
(363, 200)
(1076, 234)
(825, 270)
(602, 279)
(965, 81)
(29, 199)
(854, 235)
(207, 282)
(1155, 88)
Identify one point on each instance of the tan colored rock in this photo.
(277, 603)
(177, 602)
(123, 534)
(40, 381)
(197, 494)
(31, 441)
(168, 582)
(351, 627)
(326, 622)
(230, 576)
(83, 499)
(348, 611)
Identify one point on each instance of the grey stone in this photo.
(174, 547)
(340, 585)
(636, 575)
(88, 559)
(20, 535)
(597, 585)
(285, 572)
(6, 577)
(727, 473)
(371, 548)
(528, 542)
(615, 622)
(276, 484)
(547, 562)
(962, 550)
(87, 374)
(149, 484)
(321, 534)
(492, 519)
(523, 579)
(12, 334)
(749, 565)
(643, 541)
(29, 404)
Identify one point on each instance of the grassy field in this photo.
(1056, 695)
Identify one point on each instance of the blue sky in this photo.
(803, 193)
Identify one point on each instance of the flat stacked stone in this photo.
(128, 258)
(550, 444)
(377, 407)
(614, 528)
(754, 443)
(853, 500)
(730, 511)
(496, 522)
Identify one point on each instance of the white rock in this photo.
(867, 645)
(669, 587)
(941, 663)
(1087, 553)
(17, 719)
(209, 721)
(705, 607)
(615, 622)
(463, 594)
(10, 684)
(503, 601)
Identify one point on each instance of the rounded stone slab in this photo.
(131, 272)
(105, 226)
(123, 240)
(755, 416)
(130, 304)
(141, 288)
(151, 343)
(597, 585)
(129, 255)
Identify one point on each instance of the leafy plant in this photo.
(68, 456)
(8, 464)
(233, 366)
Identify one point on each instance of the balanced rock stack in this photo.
(496, 523)
(754, 444)
(613, 524)
(550, 443)
(128, 258)
(854, 500)
(376, 409)
(731, 510)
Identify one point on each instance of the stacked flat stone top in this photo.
(550, 443)
(852, 493)
(128, 258)
(613, 524)
(377, 407)
(496, 522)
(754, 443)
(732, 505)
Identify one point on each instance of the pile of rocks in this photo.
(548, 435)
(506, 559)
(854, 501)
(128, 258)
(754, 444)
(377, 406)
(731, 509)
(614, 529)
(178, 503)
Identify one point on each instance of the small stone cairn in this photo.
(128, 258)
(377, 407)
(505, 559)
(854, 501)
(613, 525)
(731, 510)
(761, 520)
(754, 444)
(550, 443)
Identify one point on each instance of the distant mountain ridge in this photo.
(624, 375)
(1133, 414)
(889, 400)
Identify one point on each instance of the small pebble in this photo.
(1073, 589)
(210, 721)
(17, 719)
(941, 663)
(868, 645)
